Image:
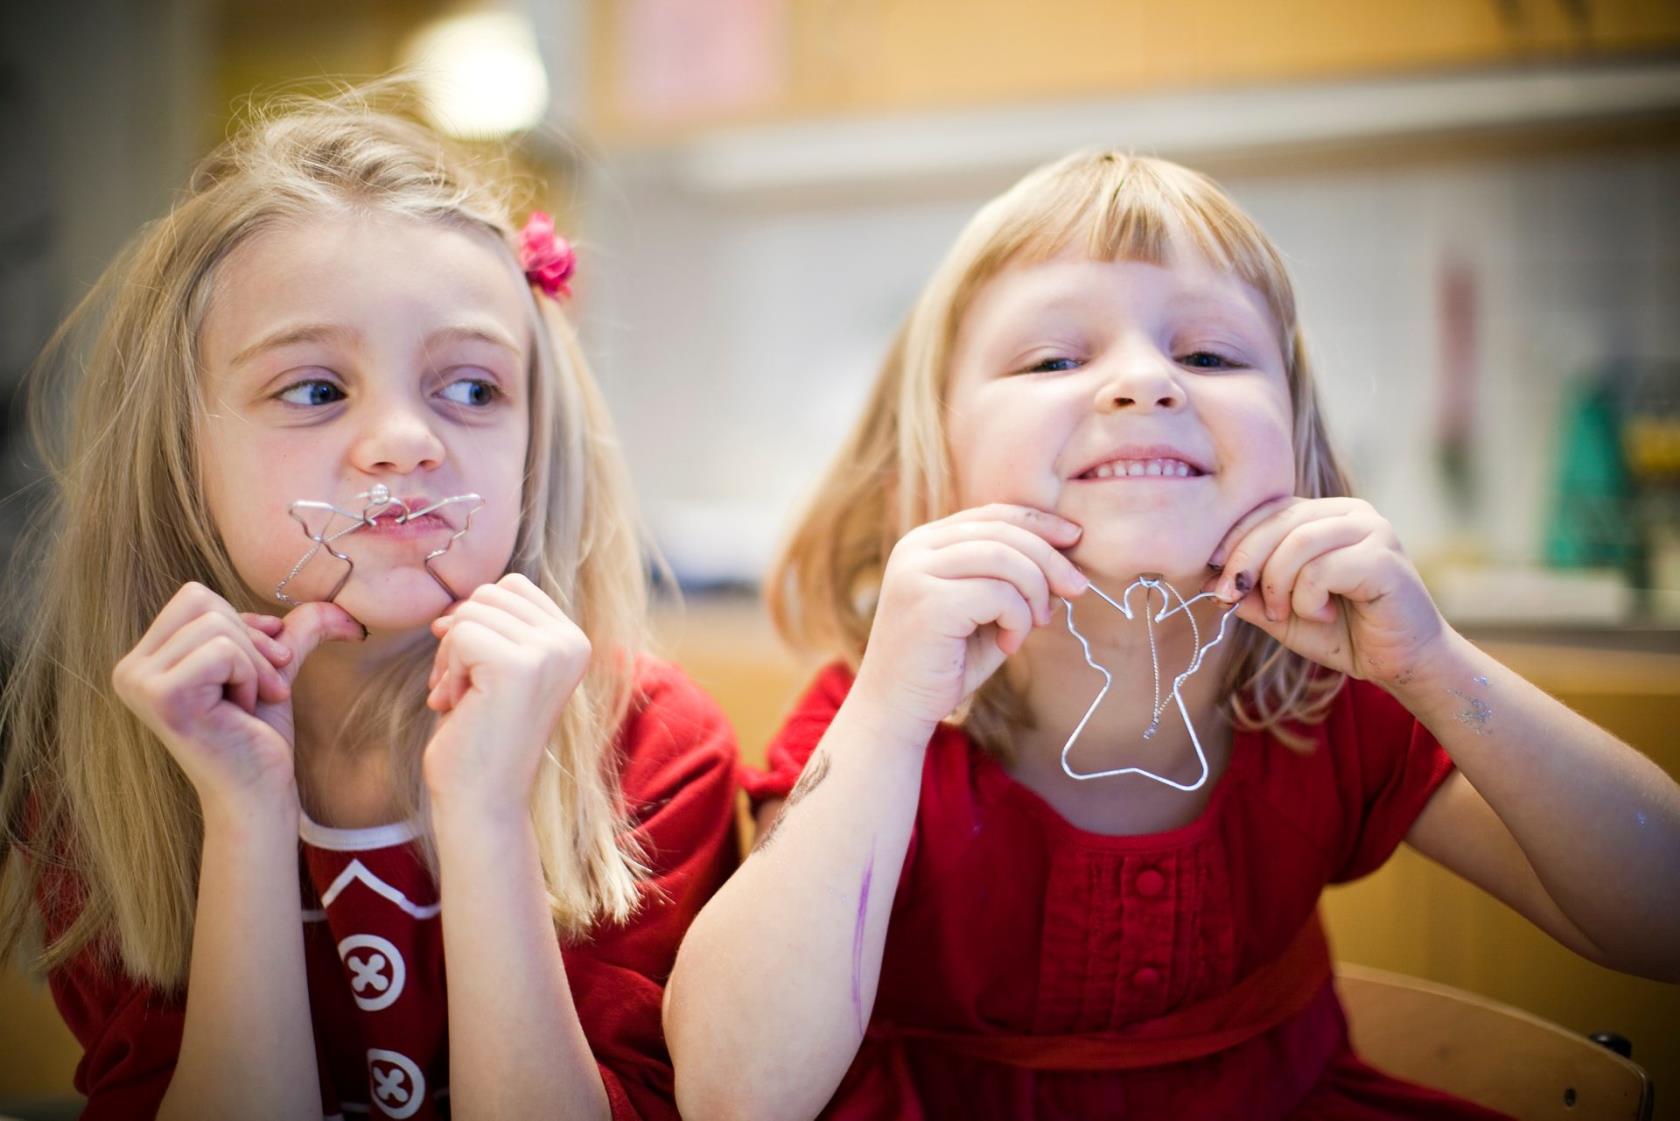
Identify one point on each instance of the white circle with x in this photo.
(395, 1084)
(376, 976)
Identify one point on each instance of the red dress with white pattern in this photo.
(374, 945)
(1035, 970)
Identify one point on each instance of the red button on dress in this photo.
(1150, 883)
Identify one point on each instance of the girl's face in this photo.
(343, 352)
(1147, 403)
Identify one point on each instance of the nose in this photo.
(396, 437)
(1140, 382)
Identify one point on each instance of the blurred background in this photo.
(1479, 200)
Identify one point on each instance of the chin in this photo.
(1113, 555)
(403, 602)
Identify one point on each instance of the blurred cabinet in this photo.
(791, 59)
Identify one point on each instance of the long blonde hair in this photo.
(894, 473)
(99, 822)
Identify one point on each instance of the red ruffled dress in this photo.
(1035, 970)
(373, 943)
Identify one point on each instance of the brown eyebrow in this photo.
(473, 334)
(290, 336)
(326, 332)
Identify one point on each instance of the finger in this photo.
(993, 560)
(539, 613)
(1064, 576)
(1360, 573)
(1311, 598)
(469, 646)
(270, 625)
(1305, 542)
(311, 624)
(1249, 552)
(492, 617)
(1219, 558)
(1052, 527)
(189, 602)
(522, 586)
(209, 628)
(277, 652)
(985, 602)
(220, 661)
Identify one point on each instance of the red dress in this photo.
(373, 945)
(1035, 970)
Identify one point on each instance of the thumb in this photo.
(311, 624)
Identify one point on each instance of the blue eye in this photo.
(314, 392)
(1207, 360)
(475, 392)
(1053, 366)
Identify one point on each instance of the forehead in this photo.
(1074, 283)
(372, 272)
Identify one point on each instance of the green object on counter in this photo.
(1592, 522)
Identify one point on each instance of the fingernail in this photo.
(1216, 567)
(1243, 583)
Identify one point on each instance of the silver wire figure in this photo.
(378, 502)
(1149, 583)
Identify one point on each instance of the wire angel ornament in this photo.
(1149, 584)
(377, 503)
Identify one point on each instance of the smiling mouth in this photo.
(1143, 469)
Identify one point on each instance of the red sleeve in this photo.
(799, 736)
(130, 1033)
(679, 778)
(1397, 768)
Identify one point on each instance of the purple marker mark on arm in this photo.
(857, 943)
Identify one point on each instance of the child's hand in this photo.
(215, 686)
(958, 596)
(1327, 578)
(508, 661)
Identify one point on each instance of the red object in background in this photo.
(1456, 312)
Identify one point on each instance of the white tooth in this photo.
(1181, 469)
(1133, 468)
(1153, 467)
(1104, 470)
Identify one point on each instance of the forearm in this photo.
(247, 1045)
(811, 904)
(1598, 822)
(516, 1048)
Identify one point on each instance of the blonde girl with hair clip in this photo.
(980, 897)
(458, 754)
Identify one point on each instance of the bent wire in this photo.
(377, 502)
(1149, 584)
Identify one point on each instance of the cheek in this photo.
(1262, 444)
(1005, 451)
(500, 479)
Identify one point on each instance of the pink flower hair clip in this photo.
(546, 257)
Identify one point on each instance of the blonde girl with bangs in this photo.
(452, 744)
(976, 892)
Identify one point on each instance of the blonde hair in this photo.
(894, 473)
(99, 821)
